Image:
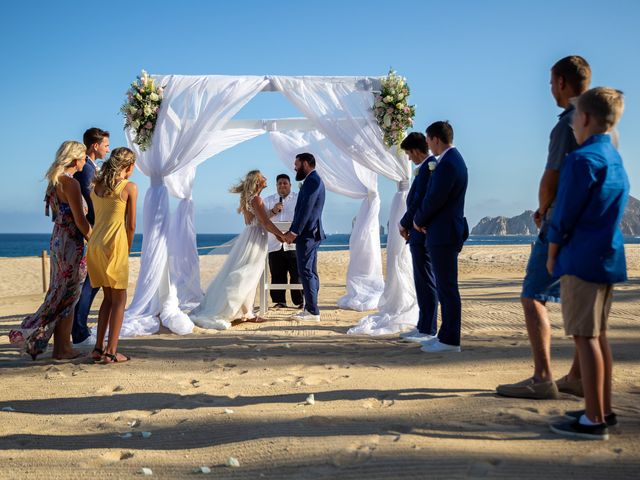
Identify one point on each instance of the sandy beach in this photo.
(382, 408)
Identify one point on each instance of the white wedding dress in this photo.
(231, 293)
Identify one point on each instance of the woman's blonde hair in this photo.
(69, 152)
(120, 159)
(248, 188)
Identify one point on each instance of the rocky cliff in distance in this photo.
(630, 223)
(523, 224)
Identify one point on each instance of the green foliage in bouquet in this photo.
(392, 110)
(141, 109)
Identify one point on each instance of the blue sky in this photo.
(483, 65)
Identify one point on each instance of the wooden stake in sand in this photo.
(45, 279)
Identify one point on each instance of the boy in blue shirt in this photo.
(586, 250)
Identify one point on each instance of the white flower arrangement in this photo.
(141, 109)
(392, 110)
(432, 165)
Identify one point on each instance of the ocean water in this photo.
(32, 244)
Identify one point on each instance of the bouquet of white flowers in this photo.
(141, 109)
(392, 110)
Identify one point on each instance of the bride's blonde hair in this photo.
(69, 152)
(248, 188)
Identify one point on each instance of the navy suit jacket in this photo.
(442, 208)
(414, 199)
(307, 217)
(85, 178)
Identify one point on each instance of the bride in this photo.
(231, 294)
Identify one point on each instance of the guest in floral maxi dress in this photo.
(68, 264)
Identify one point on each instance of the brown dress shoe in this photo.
(572, 387)
(529, 389)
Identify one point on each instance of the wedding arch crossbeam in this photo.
(195, 123)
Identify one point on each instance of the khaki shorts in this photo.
(585, 306)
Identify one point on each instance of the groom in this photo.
(306, 231)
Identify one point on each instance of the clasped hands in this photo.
(404, 233)
(420, 229)
(287, 237)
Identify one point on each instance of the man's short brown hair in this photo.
(576, 72)
(94, 135)
(415, 141)
(604, 104)
(442, 130)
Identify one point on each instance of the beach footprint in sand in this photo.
(356, 453)
(54, 372)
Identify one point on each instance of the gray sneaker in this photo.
(529, 389)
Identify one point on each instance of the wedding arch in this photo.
(195, 123)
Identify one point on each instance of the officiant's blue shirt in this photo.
(592, 194)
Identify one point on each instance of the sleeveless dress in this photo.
(108, 250)
(232, 292)
(67, 273)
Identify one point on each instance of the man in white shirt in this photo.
(282, 257)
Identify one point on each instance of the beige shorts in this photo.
(585, 306)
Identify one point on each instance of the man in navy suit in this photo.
(97, 143)
(415, 146)
(441, 218)
(306, 231)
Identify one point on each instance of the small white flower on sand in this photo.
(146, 471)
(145, 434)
(311, 399)
(202, 470)
(233, 462)
(228, 411)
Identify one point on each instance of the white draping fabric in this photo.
(183, 254)
(343, 113)
(188, 131)
(341, 175)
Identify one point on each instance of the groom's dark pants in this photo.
(307, 256)
(426, 293)
(445, 268)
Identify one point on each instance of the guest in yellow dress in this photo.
(114, 202)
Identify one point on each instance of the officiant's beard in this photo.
(300, 175)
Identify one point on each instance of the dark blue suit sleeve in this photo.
(419, 187)
(85, 179)
(306, 199)
(441, 183)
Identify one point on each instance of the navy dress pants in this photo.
(79, 330)
(426, 293)
(445, 269)
(307, 256)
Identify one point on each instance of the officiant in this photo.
(282, 257)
